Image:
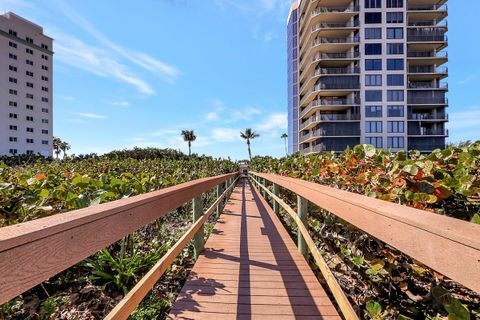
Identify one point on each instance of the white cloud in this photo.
(225, 134)
(212, 116)
(273, 122)
(91, 115)
(121, 103)
(466, 119)
(156, 67)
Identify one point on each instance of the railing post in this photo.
(276, 191)
(198, 239)
(302, 208)
(219, 205)
(264, 193)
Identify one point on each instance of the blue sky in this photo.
(136, 73)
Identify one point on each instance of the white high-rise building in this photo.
(367, 71)
(26, 106)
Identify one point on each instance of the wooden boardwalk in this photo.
(251, 269)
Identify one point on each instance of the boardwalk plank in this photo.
(251, 269)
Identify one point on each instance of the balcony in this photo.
(340, 55)
(427, 100)
(328, 103)
(428, 132)
(427, 117)
(344, 25)
(335, 71)
(431, 24)
(427, 37)
(351, 85)
(427, 70)
(427, 54)
(350, 9)
(339, 131)
(427, 86)
(342, 40)
(427, 8)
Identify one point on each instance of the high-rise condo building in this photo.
(25, 87)
(367, 71)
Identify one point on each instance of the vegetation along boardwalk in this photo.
(251, 268)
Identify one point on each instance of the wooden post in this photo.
(263, 191)
(219, 205)
(198, 239)
(276, 191)
(302, 208)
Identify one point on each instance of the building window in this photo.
(12, 44)
(373, 17)
(373, 48)
(12, 80)
(373, 64)
(44, 68)
(395, 80)
(373, 80)
(373, 126)
(373, 95)
(12, 103)
(44, 99)
(395, 64)
(12, 139)
(394, 3)
(29, 84)
(13, 92)
(30, 62)
(29, 140)
(395, 95)
(45, 142)
(29, 96)
(44, 131)
(13, 128)
(29, 39)
(44, 46)
(394, 33)
(29, 129)
(394, 17)
(44, 110)
(28, 50)
(44, 78)
(377, 142)
(44, 120)
(29, 152)
(29, 107)
(13, 115)
(13, 151)
(395, 142)
(395, 111)
(395, 48)
(373, 33)
(396, 127)
(12, 32)
(12, 68)
(29, 73)
(45, 89)
(373, 111)
(373, 4)
(29, 118)
(44, 57)
(12, 56)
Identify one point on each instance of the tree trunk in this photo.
(189, 149)
(286, 151)
(249, 151)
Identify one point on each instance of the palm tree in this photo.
(189, 136)
(249, 135)
(64, 146)
(284, 137)
(57, 146)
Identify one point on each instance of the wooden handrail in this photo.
(130, 302)
(340, 297)
(447, 245)
(34, 251)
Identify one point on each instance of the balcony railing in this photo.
(427, 100)
(330, 133)
(427, 54)
(321, 71)
(328, 102)
(337, 86)
(350, 9)
(428, 132)
(427, 116)
(324, 25)
(318, 41)
(428, 8)
(427, 38)
(427, 69)
(420, 85)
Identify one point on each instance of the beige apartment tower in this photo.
(25, 87)
(367, 71)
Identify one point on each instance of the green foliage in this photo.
(374, 309)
